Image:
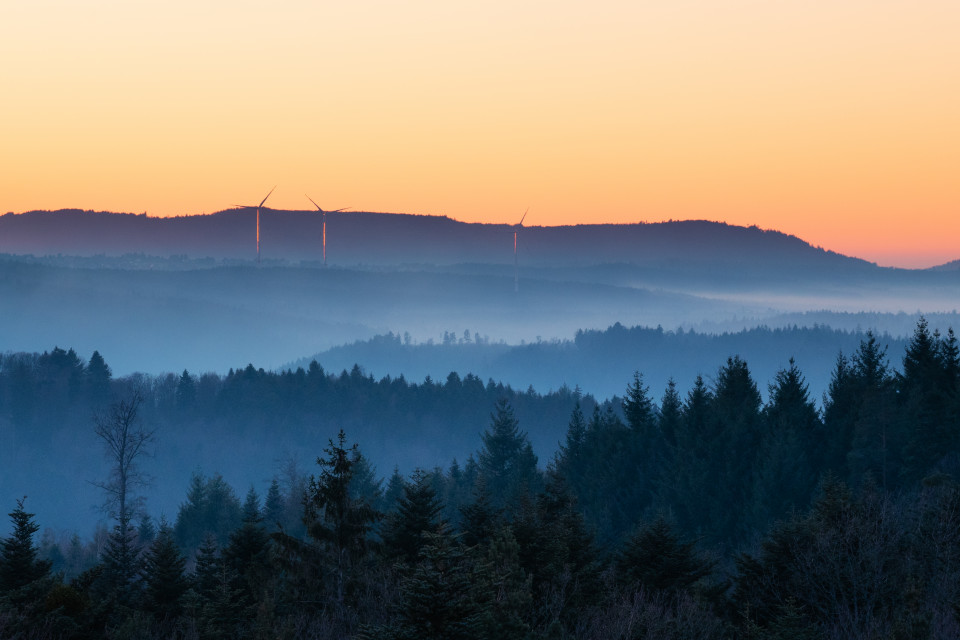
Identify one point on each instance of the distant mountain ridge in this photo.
(389, 239)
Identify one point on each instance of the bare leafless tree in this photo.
(125, 442)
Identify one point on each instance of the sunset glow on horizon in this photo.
(835, 122)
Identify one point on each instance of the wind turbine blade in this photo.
(268, 195)
(314, 204)
(339, 210)
(524, 216)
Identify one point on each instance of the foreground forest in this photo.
(704, 513)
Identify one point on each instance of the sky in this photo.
(834, 121)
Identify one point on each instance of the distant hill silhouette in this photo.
(389, 239)
(953, 265)
(227, 316)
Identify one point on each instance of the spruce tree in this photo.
(656, 560)
(671, 408)
(164, 582)
(189, 530)
(510, 609)
(949, 355)
(29, 595)
(338, 522)
(121, 563)
(19, 564)
(146, 531)
(222, 510)
(841, 406)
(557, 550)
(439, 599)
(251, 507)
(638, 409)
(570, 460)
(456, 495)
(735, 418)
(394, 492)
(576, 431)
(207, 568)
(507, 464)
(925, 395)
(784, 476)
(364, 484)
(248, 553)
(418, 513)
(186, 394)
(273, 507)
(98, 376)
(875, 445)
(479, 519)
(215, 600)
(686, 484)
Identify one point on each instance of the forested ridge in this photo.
(704, 512)
(601, 360)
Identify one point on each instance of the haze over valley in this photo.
(626, 320)
(419, 297)
(167, 294)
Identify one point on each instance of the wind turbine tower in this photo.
(325, 225)
(250, 206)
(516, 264)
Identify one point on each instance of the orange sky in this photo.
(835, 121)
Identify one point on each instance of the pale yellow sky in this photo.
(835, 121)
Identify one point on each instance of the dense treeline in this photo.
(248, 424)
(708, 514)
(602, 359)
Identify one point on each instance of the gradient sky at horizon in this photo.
(837, 122)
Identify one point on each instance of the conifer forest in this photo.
(730, 508)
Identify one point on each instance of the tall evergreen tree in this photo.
(19, 561)
(841, 405)
(121, 563)
(925, 397)
(251, 507)
(638, 409)
(736, 427)
(438, 599)
(146, 531)
(247, 556)
(207, 567)
(570, 460)
(189, 529)
(875, 445)
(671, 414)
(164, 581)
(273, 506)
(219, 603)
(336, 520)
(98, 377)
(656, 560)
(364, 484)
(784, 476)
(505, 460)
(418, 513)
(509, 612)
(576, 431)
(684, 484)
(186, 395)
(394, 491)
(479, 519)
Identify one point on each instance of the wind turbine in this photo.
(516, 265)
(250, 206)
(325, 225)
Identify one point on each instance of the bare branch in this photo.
(125, 442)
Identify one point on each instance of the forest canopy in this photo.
(706, 512)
